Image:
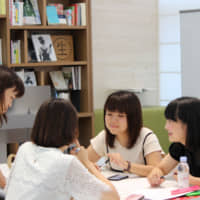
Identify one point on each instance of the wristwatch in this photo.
(128, 167)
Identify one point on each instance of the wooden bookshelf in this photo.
(82, 56)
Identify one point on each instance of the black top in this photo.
(177, 149)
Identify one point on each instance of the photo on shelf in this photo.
(43, 47)
(29, 78)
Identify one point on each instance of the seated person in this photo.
(183, 126)
(11, 87)
(128, 145)
(44, 169)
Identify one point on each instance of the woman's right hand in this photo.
(155, 178)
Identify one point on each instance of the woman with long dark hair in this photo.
(11, 87)
(128, 145)
(183, 126)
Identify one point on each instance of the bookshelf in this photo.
(82, 56)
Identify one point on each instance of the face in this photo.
(9, 96)
(116, 122)
(177, 131)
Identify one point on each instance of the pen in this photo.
(105, 162)
(195, 193)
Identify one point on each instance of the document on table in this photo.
(140, 185)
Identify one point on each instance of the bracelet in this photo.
(128, 167)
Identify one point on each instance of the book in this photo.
(76, 78)
(62, 19)
(59, 8)
(20, 73)
(67, 73)
(31, 52)
(36, 10)
(58, 80)
(15, 51)
(52, 15)
(43, 46)
(83, 14)
(1, 62)
(29, 78)
(31, 12)
(63, 45)
(2, 7)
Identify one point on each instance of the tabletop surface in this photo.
(140, 185)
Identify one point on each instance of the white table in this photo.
(133, 185)
(139, 185)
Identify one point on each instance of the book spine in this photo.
(2, 7)
(11, 51)
(36, 11)
(11, 11)
(83, 14)
(1, 62)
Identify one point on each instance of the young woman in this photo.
(44, 168)
(128, 145)
(11, 87)
(183, 126)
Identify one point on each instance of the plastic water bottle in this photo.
(183, 173)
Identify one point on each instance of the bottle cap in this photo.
(183, 159)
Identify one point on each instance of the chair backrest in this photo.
(153, 118)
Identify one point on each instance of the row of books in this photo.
(69, 78)
(45, 48)
(75, 14)
(24, 12)
(15, 51)
(2, 7)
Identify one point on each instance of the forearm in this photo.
(2, 180)
(92, 169)
(140, 169)
(194, 180)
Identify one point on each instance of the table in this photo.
(140, 185)
(133, 185)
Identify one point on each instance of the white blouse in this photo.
(134, 154)
(47, 173)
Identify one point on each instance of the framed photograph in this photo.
(43, 48)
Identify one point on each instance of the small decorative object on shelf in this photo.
(63, 45)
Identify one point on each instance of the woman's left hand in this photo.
(118, 160)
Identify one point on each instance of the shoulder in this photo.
(100, 137)
(25, 146)
(144, 132)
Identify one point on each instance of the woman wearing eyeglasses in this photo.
(125, 142)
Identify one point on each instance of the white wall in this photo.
(125, 48)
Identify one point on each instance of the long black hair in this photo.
(187, 110)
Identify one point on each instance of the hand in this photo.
(154, 177)
(118, 160)
(175, 175)
(82, 155)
